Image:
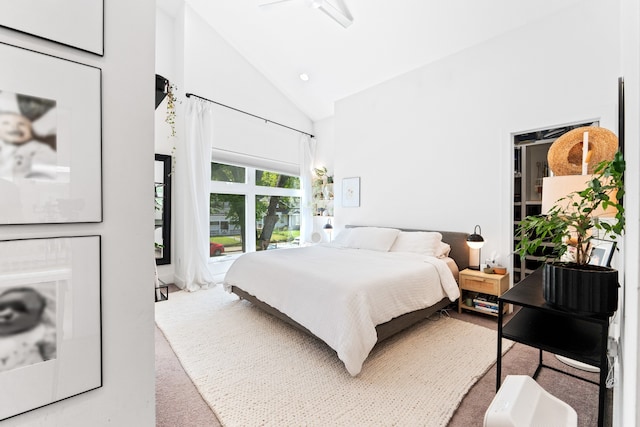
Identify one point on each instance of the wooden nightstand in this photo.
(475, 285)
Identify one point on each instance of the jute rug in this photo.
(255, 370)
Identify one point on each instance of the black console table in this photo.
(537, 324)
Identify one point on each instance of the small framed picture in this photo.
(351, 192)
(50, 323)
(601, 252)
(50, 139)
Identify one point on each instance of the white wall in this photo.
(433, 146)
(215, 70)
(127, 397)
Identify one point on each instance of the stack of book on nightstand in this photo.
(488, 303)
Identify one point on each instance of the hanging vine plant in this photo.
(170, 119)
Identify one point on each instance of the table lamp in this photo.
(475, 241)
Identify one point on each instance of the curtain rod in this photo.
(252, 115)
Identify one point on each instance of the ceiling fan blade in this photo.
(269, 2)
(338, 15)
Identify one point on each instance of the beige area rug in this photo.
(255, 370)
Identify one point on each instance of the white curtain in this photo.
(193, 174)
(307, 158)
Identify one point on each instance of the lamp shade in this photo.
(475, 240)
(558, 187)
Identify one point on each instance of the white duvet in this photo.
(341, 294)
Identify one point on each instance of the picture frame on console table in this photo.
(50, 139)
(601, 252)
(75, 23)
(51, 344)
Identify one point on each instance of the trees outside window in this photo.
(270, 199)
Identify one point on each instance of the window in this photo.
(252, 209)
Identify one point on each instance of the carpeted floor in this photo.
(236, 353)
(174, 388)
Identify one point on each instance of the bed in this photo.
(365, 286)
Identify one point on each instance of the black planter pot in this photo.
(586, 289)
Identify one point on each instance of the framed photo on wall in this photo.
(601, 252)
(75, 23)
(50, 139)
(51, 331)
(351, 192)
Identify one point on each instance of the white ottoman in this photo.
(521, 402)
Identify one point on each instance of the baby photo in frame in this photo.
(601, 252)
(50, 139)
(50, 321)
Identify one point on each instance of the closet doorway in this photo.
(529, 167)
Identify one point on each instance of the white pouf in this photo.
(521, 402)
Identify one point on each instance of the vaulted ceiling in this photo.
(387, 38)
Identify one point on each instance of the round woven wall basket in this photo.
(565, 154)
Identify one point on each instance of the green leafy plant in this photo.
(570, 221)
(320, 172)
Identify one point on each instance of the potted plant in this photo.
(575, 284)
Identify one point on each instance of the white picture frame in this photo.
(62, 341)
(601, 252)
(75, 23)
(61, 101)
(351, 192)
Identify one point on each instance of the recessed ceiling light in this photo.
(304, 77)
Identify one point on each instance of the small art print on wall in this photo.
(50, 139)
(351, 192)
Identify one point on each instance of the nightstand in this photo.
(481, 290)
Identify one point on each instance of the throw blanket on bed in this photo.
(341, 294)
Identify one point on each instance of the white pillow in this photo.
(342, 238)
(443, 250)
(418, 242)
(373, 238)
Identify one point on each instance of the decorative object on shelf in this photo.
(499, 269)
(587, 144)
(50, 169)
(476, 241)
(601, 252)
(50, 21)
(578, 285)
(351, 192)
(322, 192)
(328, 228)
(327, 192)
(50, 338)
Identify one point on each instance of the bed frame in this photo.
(459, 253)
